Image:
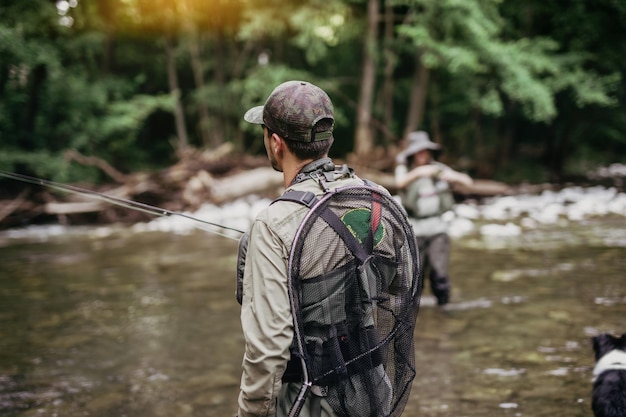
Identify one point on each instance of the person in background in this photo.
(424, 186)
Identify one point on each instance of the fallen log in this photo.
(480, 187)
(255, 181)
(57, 209)
(483, 188)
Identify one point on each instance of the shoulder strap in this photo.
(308, 199)
(342, 230)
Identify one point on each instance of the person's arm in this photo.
(455, 177)
(404, 178)
(266, 321)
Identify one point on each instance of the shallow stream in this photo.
(116, 323)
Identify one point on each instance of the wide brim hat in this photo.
(293, 109)
(419, 141)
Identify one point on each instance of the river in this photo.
(114, 322)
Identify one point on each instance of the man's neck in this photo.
(307, 166)
(291, 168)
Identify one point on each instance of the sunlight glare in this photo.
(329, 32)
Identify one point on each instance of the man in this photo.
(426, 194)
(297, 121)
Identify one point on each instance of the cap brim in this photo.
(254, 115)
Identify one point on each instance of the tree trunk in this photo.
(504, 146)
(179, 116)
(108, 14)
(198, 76)
(435, 119)
(417, 99)
(483, 167)
(31, 109)
(390, 64)
(557, 146)
(364, 138)
(219, 126)
(107, 52)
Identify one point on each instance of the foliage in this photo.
(465, 38)
(508, 81)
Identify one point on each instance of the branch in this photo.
(14, 205)
(72, 155)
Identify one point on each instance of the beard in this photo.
(273, 161)
(276, 168)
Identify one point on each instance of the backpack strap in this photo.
(342, 230)
(308, 199)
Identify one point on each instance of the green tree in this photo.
(470, 43)
(56, 97)
(134, 82)
(589, 127)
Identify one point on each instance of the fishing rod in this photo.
(130, 204)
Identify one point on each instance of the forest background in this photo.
(515, 91)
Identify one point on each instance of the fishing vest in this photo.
(427, 197)
(354, 286)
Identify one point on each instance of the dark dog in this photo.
(609, 376)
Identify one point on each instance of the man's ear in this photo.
(277, 143)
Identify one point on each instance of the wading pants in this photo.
(434, 258)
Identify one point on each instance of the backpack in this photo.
(354, 285)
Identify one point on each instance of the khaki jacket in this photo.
(266, 317)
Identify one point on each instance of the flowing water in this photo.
(146, 324)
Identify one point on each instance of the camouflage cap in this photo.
(293, 109)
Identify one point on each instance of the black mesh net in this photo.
(355, 300)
